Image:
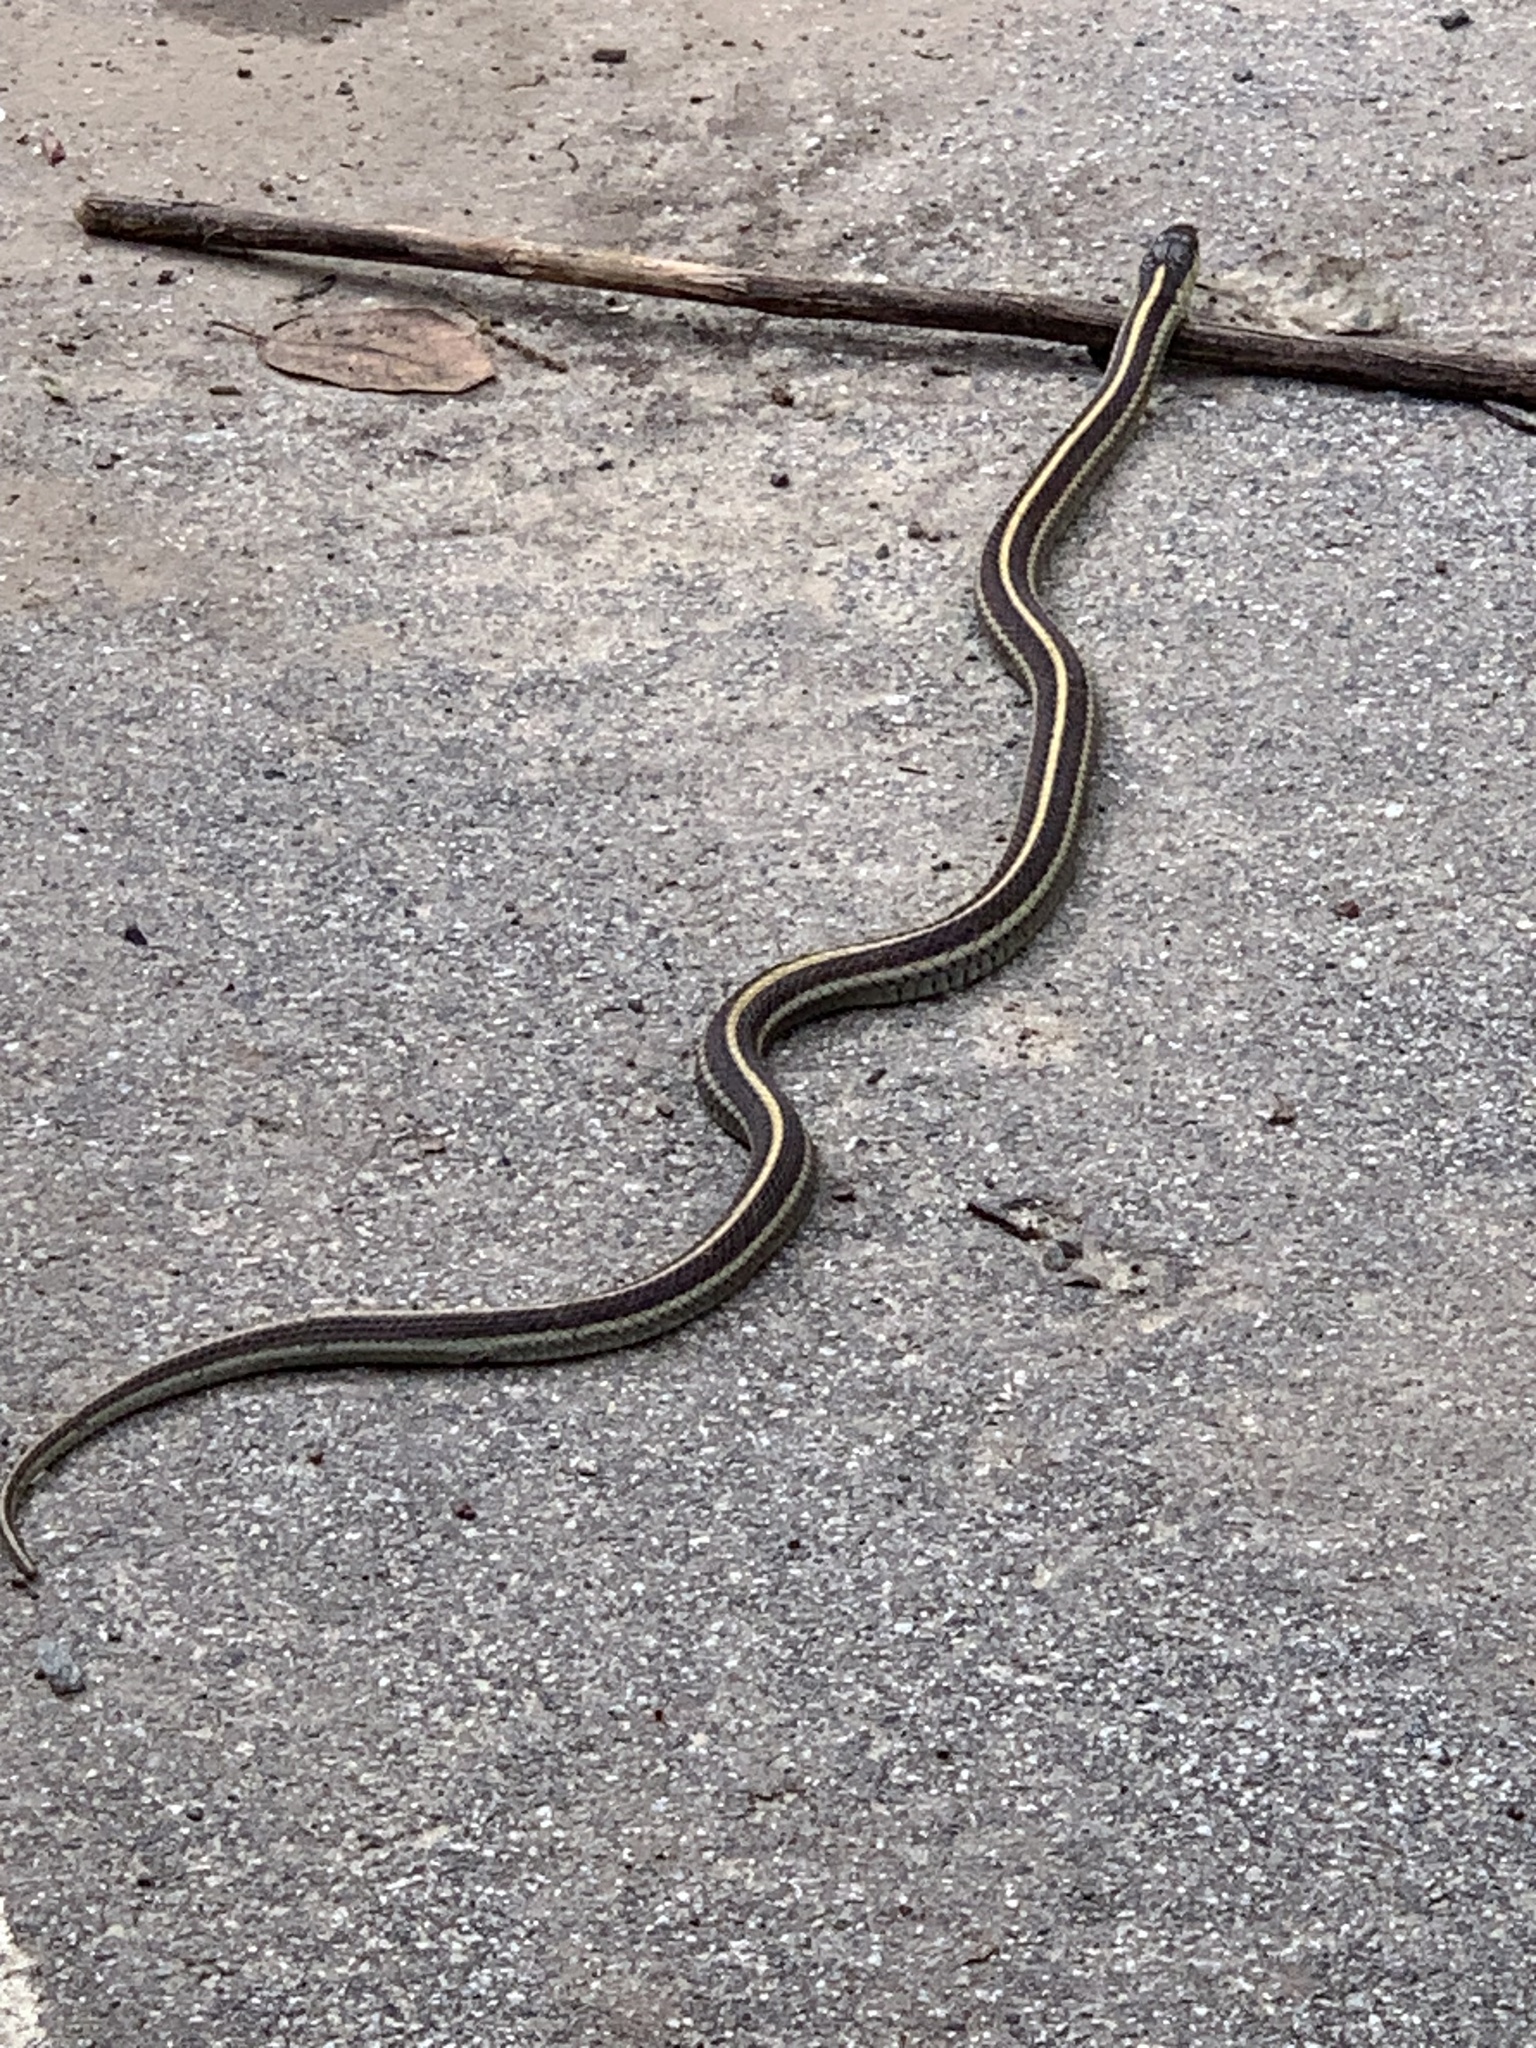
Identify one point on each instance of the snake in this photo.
(733, 1072)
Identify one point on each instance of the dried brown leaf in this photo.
(382, 348)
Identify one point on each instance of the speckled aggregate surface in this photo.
(1119, 1637)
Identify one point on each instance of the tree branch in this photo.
(1372, 362)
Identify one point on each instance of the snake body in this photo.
(734, 1078)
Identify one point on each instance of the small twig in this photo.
(526, 350)
(1372, 362)
(1512, 415)
(234, 327)
(1026, 1233)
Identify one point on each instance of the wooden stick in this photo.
(1374, 362)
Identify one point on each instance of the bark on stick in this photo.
(1371, 362)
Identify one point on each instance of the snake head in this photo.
(1177, 249)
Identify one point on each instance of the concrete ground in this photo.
(1122, 1637)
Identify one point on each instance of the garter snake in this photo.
(737, 1087)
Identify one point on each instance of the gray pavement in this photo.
(1122, 1637)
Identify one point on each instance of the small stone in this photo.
(56, 1663)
